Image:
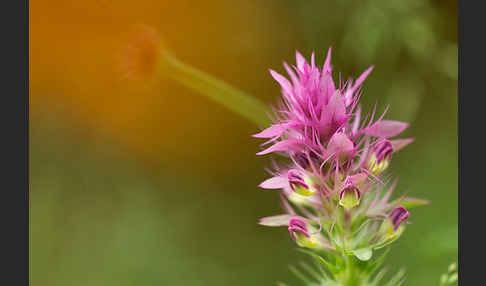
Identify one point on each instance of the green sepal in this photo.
(409, 202)
(363, 254)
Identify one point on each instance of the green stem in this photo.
(215, 89)
(351, 279)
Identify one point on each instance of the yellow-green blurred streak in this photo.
(217, 90)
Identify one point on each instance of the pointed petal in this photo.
(293, 77)
(386, 128)
(327, 64)
(272, 131)
(284, 83)
(285, 145)
(361, 78)
(358, 178)
(277, 182)
(300, 60)
(340, 144)
(400, 143)
(277, 220)
(357, 118)
(335, 110)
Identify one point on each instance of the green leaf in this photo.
(378, 277)
(378, 262)
(397, 279)
(300, 275)
(321, 260)
(409, 202)
(363, 254)
(310, 270)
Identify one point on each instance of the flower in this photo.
(336, 159)
(298, 232)
(380, 156)
(317, 124)
(299, 183)
(398, 215)
(392, 227)
(349, 196)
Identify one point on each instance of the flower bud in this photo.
(300, 183)
(298, 232)
(380, 157)
(398, 215)
(349, 196)
(392, 227)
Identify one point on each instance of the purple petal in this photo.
(327, 64)
(293, 77)
(358, 178)
(284, 83)
(400, 143)
(340, 144)
(272, 131)
(277, 182)
(285, 145)
(357, 118)
(300, 60)
(386, 128)
(361, 78)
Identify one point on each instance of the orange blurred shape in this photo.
(80, 50)
(138, 58)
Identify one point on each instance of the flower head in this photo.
(318, 123)
(336, 159)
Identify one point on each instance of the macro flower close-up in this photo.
(243, 143)
(337, 161)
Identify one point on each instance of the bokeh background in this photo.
(157, 185)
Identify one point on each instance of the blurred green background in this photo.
(158, 186)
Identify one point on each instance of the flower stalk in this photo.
(215, 89)
(144, 59)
